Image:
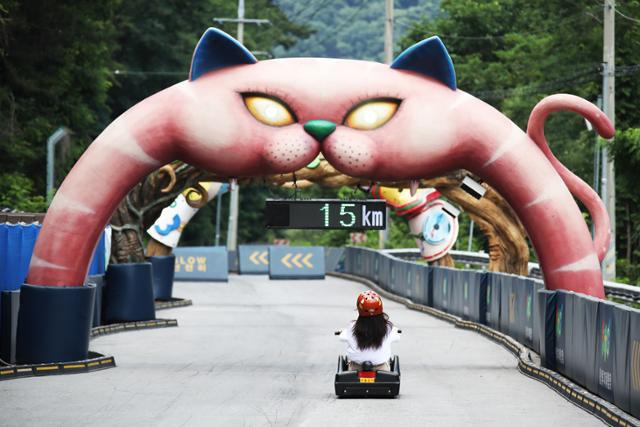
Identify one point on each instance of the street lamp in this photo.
(55, 137)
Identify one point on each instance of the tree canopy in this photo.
(81, 64)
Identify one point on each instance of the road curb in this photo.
(95, 362)
(600, 408)
(114, 328)
(172, 303)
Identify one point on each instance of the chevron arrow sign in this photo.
(296, 262)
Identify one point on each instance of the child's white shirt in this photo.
(376, 356)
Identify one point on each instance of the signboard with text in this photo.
(202, 263)
(326, 214)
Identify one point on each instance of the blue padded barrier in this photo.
(9, 307)
(128, 293)
(98, 262)
(626, 372)
(605, 349)
(633, 362)
(4, 283)
(563, 314)
(334, 259)
(439, 283)
(455, 292)
(367, 264)
(591, 305)
(514, 321)
(385, 270)
(538, 285)
(393, 269)
(494, 281)
(402, 278)
(546, 309)
(16, 246)
(575, 340)
(419, 276)
(376, 267)
(54, 323)
(475, 296)
(163, 268)
(441, 279)
(507, 305)
(469, 287)
(427, 285)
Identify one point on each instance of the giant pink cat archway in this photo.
(239, 117)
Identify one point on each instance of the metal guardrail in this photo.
(24, 217)
(622, 291)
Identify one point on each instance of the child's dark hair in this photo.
(371, 330)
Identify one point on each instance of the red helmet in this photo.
(369, 304)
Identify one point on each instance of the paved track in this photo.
(260, 352)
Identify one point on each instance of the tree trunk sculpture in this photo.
(507, 244)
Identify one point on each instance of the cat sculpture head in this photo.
(355, 110)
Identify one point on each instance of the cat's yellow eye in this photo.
(268, 110)
(371, 114)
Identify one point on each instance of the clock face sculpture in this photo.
(439, 232)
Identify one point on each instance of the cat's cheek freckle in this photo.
(350, 155)
(290, 152)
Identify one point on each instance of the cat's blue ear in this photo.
(217, 49)
(428, 57)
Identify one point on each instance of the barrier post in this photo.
(546, 316)
(9, 307)
(605, 350)
(626, 372)
(633, 361)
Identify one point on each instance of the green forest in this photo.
(81, 64)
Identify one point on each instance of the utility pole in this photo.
(388, 31)
(218, 218)
(597, 151)
(234, 189)
(383, 235)
(608, 190)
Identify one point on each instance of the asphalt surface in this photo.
(259, 352)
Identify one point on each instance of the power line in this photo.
(637, 21)
(580, 77)
(621, 70)
(149, 73)
(349, 20)
(568, 22)
(625, 70)
(312, 14)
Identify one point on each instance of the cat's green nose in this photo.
(319, 129)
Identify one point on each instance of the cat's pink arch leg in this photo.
(123, 154)
(519, 170)
(191, 121)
